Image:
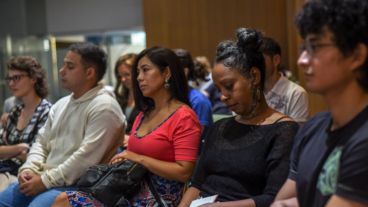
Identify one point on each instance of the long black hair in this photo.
(163, 58)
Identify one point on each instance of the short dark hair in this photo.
(347, 21)
(162, 58)
(270, 47)
(243, 54)
(33, 69)
(91, 55)
(186, 61)
(121, 92)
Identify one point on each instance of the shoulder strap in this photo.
(154, 192)
(280, 118)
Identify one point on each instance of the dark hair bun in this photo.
(248, 39)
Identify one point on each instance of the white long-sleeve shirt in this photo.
(79, 133)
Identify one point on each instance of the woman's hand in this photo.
(22, 147)
(125, 155)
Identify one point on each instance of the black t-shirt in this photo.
(242, 161)
(325, 162)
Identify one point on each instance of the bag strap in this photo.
(280, 118)
(154, 192)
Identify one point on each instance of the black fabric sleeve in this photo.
(277, 162)
(199, 174)
(353, 171)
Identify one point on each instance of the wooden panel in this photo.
(199, 25)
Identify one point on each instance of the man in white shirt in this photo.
(282, 94)
(83, 129)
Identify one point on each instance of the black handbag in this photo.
(9, 166)
(111, 183)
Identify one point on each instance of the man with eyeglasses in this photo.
(282, 94)
(82, 129)
(330, 154)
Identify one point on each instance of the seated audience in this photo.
(27, 81)
(282, 94)
(199, 102)
(329, 158)
(165, 135)
(124, 90)
(245, 158)
(82, 129)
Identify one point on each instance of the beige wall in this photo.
(199, 25)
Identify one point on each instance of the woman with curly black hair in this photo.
(245, 158)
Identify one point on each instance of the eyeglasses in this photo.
(312, 48)
(14, 78)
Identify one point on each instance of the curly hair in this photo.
(244, 53)
(202, 68)
(346, 19)
(122, 92)
(33, 69)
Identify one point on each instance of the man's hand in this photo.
(25, 176)
(33, 186)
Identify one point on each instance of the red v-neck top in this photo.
(175, 139)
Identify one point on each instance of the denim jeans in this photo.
(12, 197)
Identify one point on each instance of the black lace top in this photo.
(242, 161)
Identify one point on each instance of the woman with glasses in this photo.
(27, 81)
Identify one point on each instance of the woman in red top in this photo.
(165, 135)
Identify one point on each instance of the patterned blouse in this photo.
(10, 135)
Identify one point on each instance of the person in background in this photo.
(199, 102)
(165, 135)
(27, 81)
(124, 90)
(202, 70)
(201, 63)
(82, 129)
(245, 158)
(282, 94)
(329, 159)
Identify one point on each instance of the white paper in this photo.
(202, 201)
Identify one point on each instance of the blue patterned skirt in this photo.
(170, 191)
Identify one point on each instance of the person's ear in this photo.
(91, 72)
(186, 72)
(359, 56)
(276, 59)
(34, 80)
(255, 76)
(167, 73)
